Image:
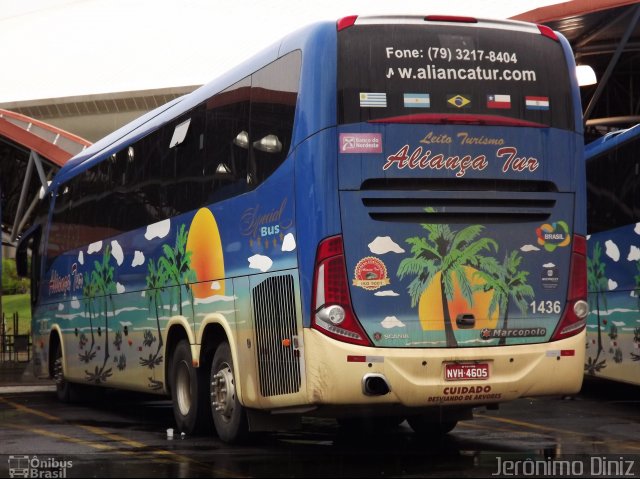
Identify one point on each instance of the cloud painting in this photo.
(94, 247)
(612, 250)
(138, 259)
(383, 245)
(386, 293)
(529, 247)
(158, 230)
(261, 262)
(392, 322)
(116, 252)
(634, 254)
(289, 242)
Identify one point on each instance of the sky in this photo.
(61, 48)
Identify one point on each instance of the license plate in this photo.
(466, 371)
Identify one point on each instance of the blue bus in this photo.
(379, 217)
(613, 260)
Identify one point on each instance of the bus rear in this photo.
(459, 276)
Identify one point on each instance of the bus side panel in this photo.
(316, 182)
(114, 299)
(613, 331)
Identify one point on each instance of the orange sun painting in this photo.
(430, 305)
(207, 258)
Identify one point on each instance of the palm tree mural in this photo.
(447, 252)
(508, 283)
(102, 277)
(177, 264)
(597, 282)
(156, 282)
(88, 295)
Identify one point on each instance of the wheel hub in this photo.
(223, 392)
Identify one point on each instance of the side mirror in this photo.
(22, 257)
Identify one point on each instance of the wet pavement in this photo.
(594, 434)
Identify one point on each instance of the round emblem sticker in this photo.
(370, 273)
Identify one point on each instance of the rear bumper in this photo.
(416, 376)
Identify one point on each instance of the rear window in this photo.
(395, 70)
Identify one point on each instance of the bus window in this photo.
(612, 186)
(451, 69)
(226, 142)
(274, 90)
(183, 171)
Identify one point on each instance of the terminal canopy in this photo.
(31, 152)
(605, 35)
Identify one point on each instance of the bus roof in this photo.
(152, 120)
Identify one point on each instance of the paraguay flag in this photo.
(499, 101)
(537, 102)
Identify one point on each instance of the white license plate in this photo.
(466, 371)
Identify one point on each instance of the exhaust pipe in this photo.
(375, 384)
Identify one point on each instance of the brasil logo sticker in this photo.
(554, 235)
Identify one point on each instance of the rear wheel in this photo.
(229, 417)
(188, 391)
(64, 389)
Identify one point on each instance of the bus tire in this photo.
(64, 389)
(229, 417)
(428, 427)
(188, 391)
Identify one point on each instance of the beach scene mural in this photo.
(613, 326)
(113, 299)
(455, 272)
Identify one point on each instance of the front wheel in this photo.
(229, 417)
(188, 391)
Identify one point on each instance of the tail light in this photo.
(548, 32)
(346, 22)
(332, 313)
(574, 320)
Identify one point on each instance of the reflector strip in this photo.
(365, 359)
